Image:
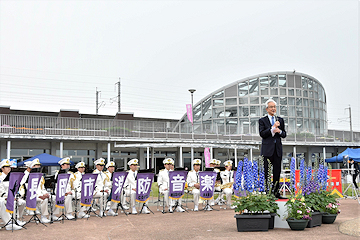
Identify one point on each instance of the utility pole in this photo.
(118, 97)
(97, 101)
(98, 106)
(351, 131)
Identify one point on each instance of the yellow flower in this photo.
(302, 199)
(293, 200)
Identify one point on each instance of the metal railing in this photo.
(113, 128)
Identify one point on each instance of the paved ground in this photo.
(198, 225)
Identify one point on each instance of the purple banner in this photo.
(14, 184)
(143, 186)
(207, 183)
(117, 186)
(87, 188)
(177, 181)
(62, 181)
(33, 184)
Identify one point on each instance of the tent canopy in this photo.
(45, 160)
(351, 153)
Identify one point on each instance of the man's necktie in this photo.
(272, 120)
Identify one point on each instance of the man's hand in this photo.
(134, 189)
(277, 124)
(68, 193)
(277, 130)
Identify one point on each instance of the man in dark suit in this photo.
(272, 129)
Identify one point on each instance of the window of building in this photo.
(254, 111)
(243, 88)
(219, 94)
(291, 92)
(231, 101)
(291, 101)
(218, 112)
(243, 111)
(254, 87)
(254, 100)
(273, 81)
(218, 102)
(298, 92)
(283, 100)
(231, 112)
(273, 91)
(243, 100)
(283, 91)
(282, 80)
(305, 93)
(304, 82)
(298, 101)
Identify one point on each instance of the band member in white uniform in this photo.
(80, 166)
(65, 165)
(227, 177)
(194, 183)
(164, 187)
(4, 188)
(111, 205)
(43, 196)
(5, 216)
(213, 164)
(102, 189)
(130, 185)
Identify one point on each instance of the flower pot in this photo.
(272, 220)
(297, 224)
(316, 220)
(328, 218)
(250, 223)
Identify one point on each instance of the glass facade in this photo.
(300, 98)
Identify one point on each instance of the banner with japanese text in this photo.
(177, 181)
(207, 184)
(62, 181)
(118, 183)
(143, 186)
(14, 184)
(33, 185)
(87, 188)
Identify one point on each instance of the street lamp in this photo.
(192, 110)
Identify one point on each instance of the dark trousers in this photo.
(275, 160)
(354, 178)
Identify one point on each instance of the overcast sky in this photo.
(53, 54)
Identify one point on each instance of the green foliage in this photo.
(297, 208)
(256, 203)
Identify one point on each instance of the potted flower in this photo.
(298, 213)
(253, 210)
(330, 208)
(254, 214)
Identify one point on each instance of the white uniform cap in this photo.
(99, 161)
(169, 161)
(218, 162)
(213, 161)
(64, 160)
(80, 164)
(110, 164)
(5, 163)
(228, 163)
(34, 162)
(133, 162)
(196, 162)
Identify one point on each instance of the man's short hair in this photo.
(269, 101)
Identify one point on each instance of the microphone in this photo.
(276, 117)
